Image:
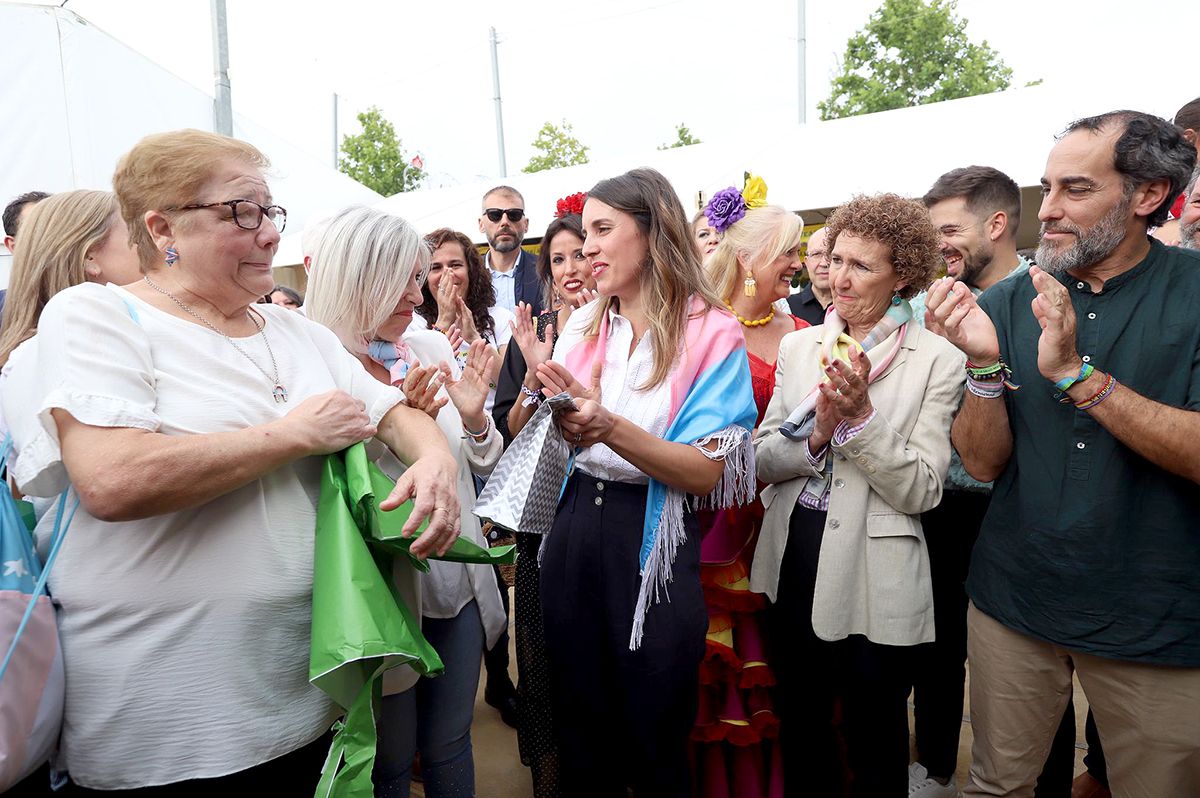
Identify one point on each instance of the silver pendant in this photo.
(280, 394)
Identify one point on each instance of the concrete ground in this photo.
(500, 774)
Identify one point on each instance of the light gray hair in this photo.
(360, 270)
(313, 232)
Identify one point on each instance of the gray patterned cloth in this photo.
(522, 493)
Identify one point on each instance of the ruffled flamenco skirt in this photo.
(734, 742)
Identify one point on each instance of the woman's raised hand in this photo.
(420, 389)
(524, 331)
(446, 297)
(331, 421)
(584, 296)
(953, 313)
(846, 390)
(469, 392)
(466, 322)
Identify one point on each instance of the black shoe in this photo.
(508, 705)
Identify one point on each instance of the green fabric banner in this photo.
(360, 626)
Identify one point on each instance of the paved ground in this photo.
(500, 774)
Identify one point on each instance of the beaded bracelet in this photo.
(478, 436)
(532, 397)
(1109, 386)
(997, 372)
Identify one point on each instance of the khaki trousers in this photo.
(1148, 715)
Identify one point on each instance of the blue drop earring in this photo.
(896, 299)
(172, 255)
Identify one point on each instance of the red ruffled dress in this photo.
(734, 741)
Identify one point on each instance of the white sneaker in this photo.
(931, 788)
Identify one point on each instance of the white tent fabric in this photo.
(813, 168)
(75, 99)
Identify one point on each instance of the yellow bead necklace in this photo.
(751, 322)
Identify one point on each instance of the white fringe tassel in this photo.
(735, 487)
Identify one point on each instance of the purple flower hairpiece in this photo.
(725, 208)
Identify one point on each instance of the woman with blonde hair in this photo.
(192, 422)
(365, 285)
(666, 415)
(66, 239)
(752, 269)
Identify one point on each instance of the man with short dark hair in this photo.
(811, 303)
(976, 210)
(514, 271)
(1088, 557)
(12, 220)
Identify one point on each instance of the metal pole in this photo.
(800, 46)
(222, 101)
(499, 114)
(336, 146)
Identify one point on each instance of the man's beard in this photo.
(505, 246)
(1188, 235)
(1090, 247)
(974, 264)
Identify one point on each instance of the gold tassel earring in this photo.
(750, 285)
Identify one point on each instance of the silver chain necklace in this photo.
(279, 393)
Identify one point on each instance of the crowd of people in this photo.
(811, 477)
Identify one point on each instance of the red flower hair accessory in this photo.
(570, 204)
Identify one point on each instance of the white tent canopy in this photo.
(76, 99)
(813, 168)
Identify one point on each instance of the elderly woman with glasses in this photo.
(191, 421)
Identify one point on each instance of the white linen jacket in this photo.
(873, 567)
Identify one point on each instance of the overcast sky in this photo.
(623, 72)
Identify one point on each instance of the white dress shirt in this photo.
(620, 380)
(505, 283)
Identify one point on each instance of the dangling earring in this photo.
(749, 285)
(172, 255)
(896, 299)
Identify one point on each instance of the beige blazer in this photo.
(873, 570)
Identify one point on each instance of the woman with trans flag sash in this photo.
(662, 428)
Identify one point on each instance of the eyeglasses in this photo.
(496, 214)
(247, 214)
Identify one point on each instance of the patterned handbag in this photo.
(522, 493)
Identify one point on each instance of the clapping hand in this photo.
(584, 296)
(469, 392)
(591, 423)
(446, 297)
(524, 331)
(1057, 355)
(953, 313)
(556, 379)
(466, 321)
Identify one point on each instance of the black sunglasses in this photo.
(496, 214)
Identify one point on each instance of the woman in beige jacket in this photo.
(855, 445)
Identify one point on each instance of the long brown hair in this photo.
(672, 274)
(55, 239)
(481, 295)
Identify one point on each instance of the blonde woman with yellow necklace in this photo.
(751, 270)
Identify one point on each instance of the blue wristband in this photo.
(1067, 382)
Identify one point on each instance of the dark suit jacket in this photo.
(526, 285)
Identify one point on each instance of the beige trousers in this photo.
(1148, 716)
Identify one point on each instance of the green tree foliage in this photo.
(558, 147)
(375, 158)
(912, 52)
(683, 138)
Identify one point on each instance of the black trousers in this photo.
(872, 679)
(939, 675)
(623, 716)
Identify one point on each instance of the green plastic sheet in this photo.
(360, 626)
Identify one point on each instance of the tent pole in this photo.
(499, 115)
(222, 100)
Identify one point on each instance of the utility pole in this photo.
(222, 100)
(800, 47)
(335, 132)
(499, 114)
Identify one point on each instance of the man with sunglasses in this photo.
(513, 270)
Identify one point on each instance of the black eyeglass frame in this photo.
(502, 212)
(232, 205)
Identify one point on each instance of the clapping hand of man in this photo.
(953, 313)
(1057, 356)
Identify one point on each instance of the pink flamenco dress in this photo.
(734, 742)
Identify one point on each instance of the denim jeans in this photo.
(434, 716)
